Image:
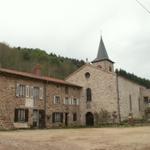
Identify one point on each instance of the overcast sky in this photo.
(72, 28)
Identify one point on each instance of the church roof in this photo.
(102, 53)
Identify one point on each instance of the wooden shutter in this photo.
(26, 115)
(64, 100)
(77, 101)
(54, 100)
(53, 118)
(16, 115)
(31, 92)
(69, 101)
(27, 91)
(41, 93)
(61, 117)
(17, 89)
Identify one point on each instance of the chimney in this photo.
(37, 70)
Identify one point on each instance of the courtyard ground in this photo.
(136, 138)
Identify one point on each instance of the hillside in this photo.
(25, 59)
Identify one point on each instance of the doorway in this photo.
(38, 118)
(89, 119)
(66, 119)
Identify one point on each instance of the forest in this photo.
(25, 59)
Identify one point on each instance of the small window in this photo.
(56, 99)
(146, 101)
(139, 104)
(99, 66)
(87, 75)
(21, 115)
(57, 117)
(130, 103)
(74, 116)
(110, 69)
(88, 95)
(66, 90)
(74, 101)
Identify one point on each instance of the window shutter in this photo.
(31, 91)
(17, 89)
(26, 115)
(54, 100)
(69, 101)
(64, 100)
(77, 101)
(53, 118)
(72, 102)
(41, 93)
(16, 115)
(61, 117)
(27, 91)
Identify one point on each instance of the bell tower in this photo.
(102, 60)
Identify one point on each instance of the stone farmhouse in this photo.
(85, 97)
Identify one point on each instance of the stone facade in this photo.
(103, 88)
(38, 110)
(130, 99)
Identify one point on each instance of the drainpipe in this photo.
(118, 97)
(45, 100)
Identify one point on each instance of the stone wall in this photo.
(130, 94)
(9, 101)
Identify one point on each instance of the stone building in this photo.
(105, 96)
(30, 100)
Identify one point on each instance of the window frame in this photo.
(88, 94)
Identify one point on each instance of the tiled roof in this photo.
(33, 76)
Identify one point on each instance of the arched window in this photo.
(88, 95)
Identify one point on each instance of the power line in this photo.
(143, 6)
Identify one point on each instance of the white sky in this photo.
(72, 28)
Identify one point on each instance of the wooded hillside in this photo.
(25, 59)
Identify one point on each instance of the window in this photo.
(130, 102)
(88, 95)
(36, 92)
(139, 104)
(146, 101)
(66, 90)
(87, 75)
(21, 115)
(56, 99)
(57, 117)
(74, 116)
(66, 101)
(74, 101)
(110, 69)
(20, 90)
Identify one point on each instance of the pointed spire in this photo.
(102, 53)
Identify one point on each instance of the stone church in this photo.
(107, 94)
(92, 95)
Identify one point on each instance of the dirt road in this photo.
(137, 138)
